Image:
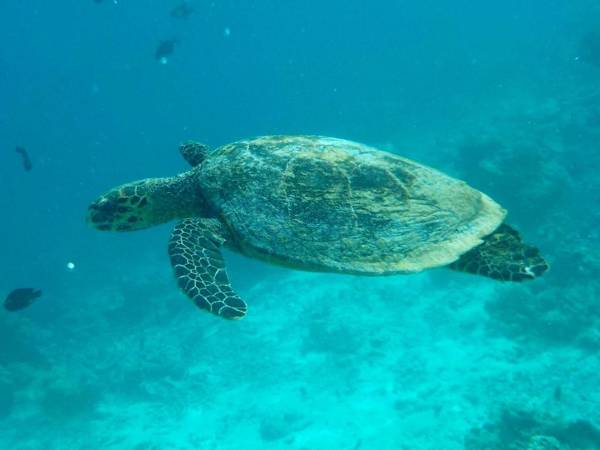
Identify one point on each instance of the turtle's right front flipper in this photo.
(199, 267)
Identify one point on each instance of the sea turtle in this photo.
(315, 203)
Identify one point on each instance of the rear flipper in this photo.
(503, 256)
(195, 252)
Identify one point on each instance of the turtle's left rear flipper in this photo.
(199, 267)
(503, 256)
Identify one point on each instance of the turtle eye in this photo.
(105, 205)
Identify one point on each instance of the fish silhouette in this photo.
(21, 298)
(183, 10)
(165, 49)
(26, 161)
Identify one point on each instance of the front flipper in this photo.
(503, 256)
(199, 267)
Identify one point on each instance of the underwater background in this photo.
(504, 95)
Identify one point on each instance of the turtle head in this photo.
(124, 208)
(145, 203)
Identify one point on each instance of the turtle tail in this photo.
(503, 256)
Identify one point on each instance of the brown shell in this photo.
(328, 204)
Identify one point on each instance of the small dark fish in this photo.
(21, 298)
(182, 11)
(165, 49)
(26, 161)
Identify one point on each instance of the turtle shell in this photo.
(320, 203)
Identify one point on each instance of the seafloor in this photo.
(438, 360)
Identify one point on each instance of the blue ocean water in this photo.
(504, 95)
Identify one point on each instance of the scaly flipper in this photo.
(199, 267)
(503, 256)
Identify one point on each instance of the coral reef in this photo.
(548, 316)
(63, 399)
(516, 429)
(281, 427)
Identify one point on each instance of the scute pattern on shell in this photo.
(329, 204)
